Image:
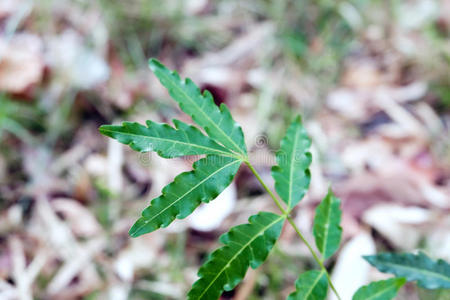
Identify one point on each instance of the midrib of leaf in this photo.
(190, 190)
(381, 292)
(238, 253)
(327, 228)
(433, 274)
(223, 153)
(314, 284)
(202, 112)
(291, 171)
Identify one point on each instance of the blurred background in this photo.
(370, 78)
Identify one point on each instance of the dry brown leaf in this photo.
(363, 74)
(80, 266)
(80, 219)
(8, 7)
(438, 239)
(21, 62)
(73, 62)
(398, 224)
(138, 255)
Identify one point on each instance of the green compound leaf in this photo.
(167, 141)
(327, 231)
(217, 122)
(244, 245)
(429, 273)
(209, 177)
(291, 175)
(380, 290)
(311, 285)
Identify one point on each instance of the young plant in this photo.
(248, 245)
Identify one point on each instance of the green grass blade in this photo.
(429, 273)
(311, 285)
(217, 122)
(327, 230)
(210, 176)
(291, 175)
(167, 141)
(380, 290)
(244, 245)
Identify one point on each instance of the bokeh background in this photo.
(371, 80)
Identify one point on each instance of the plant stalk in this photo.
(277, 202)
(291, 221)
(316, 258)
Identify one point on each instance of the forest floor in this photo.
(371, 80)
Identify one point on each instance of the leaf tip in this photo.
(139, 228)
(132, 232)
(154, 64)
(369, 258)
(104, 129)
(298, 119)
(401, 281)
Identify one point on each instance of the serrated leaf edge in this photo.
(383, 269)
(398, 283)
(184, 82)
(277, 168)
(316, 281)
(147, 220)
(319, 277)
(239, 252)
(325, 238)
(104, 129)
